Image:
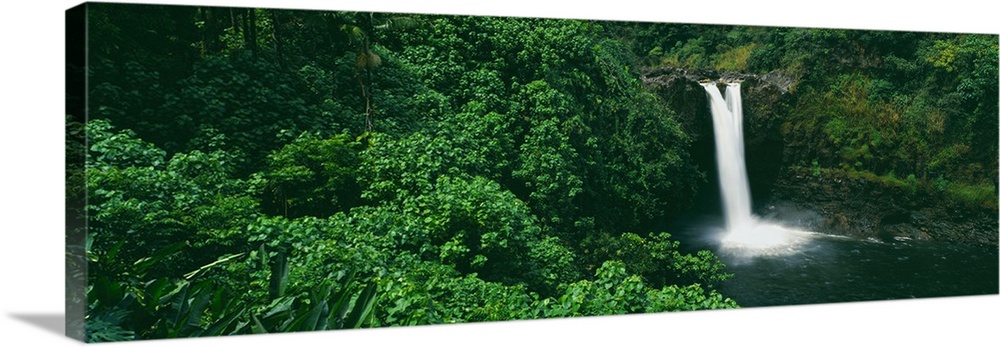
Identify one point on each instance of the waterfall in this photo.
(745, 234)
(727, 120)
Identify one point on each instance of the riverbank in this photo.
(845, 203)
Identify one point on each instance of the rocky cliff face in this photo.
(839, 204)
(765, 99)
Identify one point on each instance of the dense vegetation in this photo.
(908, 109)
(258, 170)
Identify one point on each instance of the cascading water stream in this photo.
(777, 265)
(743, 230)
(727, 120)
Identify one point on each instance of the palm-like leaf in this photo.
(326, 309)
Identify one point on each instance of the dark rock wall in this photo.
(764, 105)
(765, 100)
(866, 209)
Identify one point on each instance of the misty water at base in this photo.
(784, 257)
(829, 268)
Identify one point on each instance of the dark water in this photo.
(830, 269)
(839, 269)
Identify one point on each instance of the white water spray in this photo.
(743, 230)
(727, 119)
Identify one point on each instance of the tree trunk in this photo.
(368, 29)
(211, 31)
(276, 35)
(251, 32)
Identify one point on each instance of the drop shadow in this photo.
(51, 322)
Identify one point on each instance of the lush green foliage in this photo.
(888, 104)
(137, 195)
(467, 203)
(257, 170)
(313, 176)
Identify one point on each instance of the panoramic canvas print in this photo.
(237, 171)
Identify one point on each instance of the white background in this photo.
(31, 193)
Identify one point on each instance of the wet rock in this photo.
(866, 209)
(779, 80)
(765, 101)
